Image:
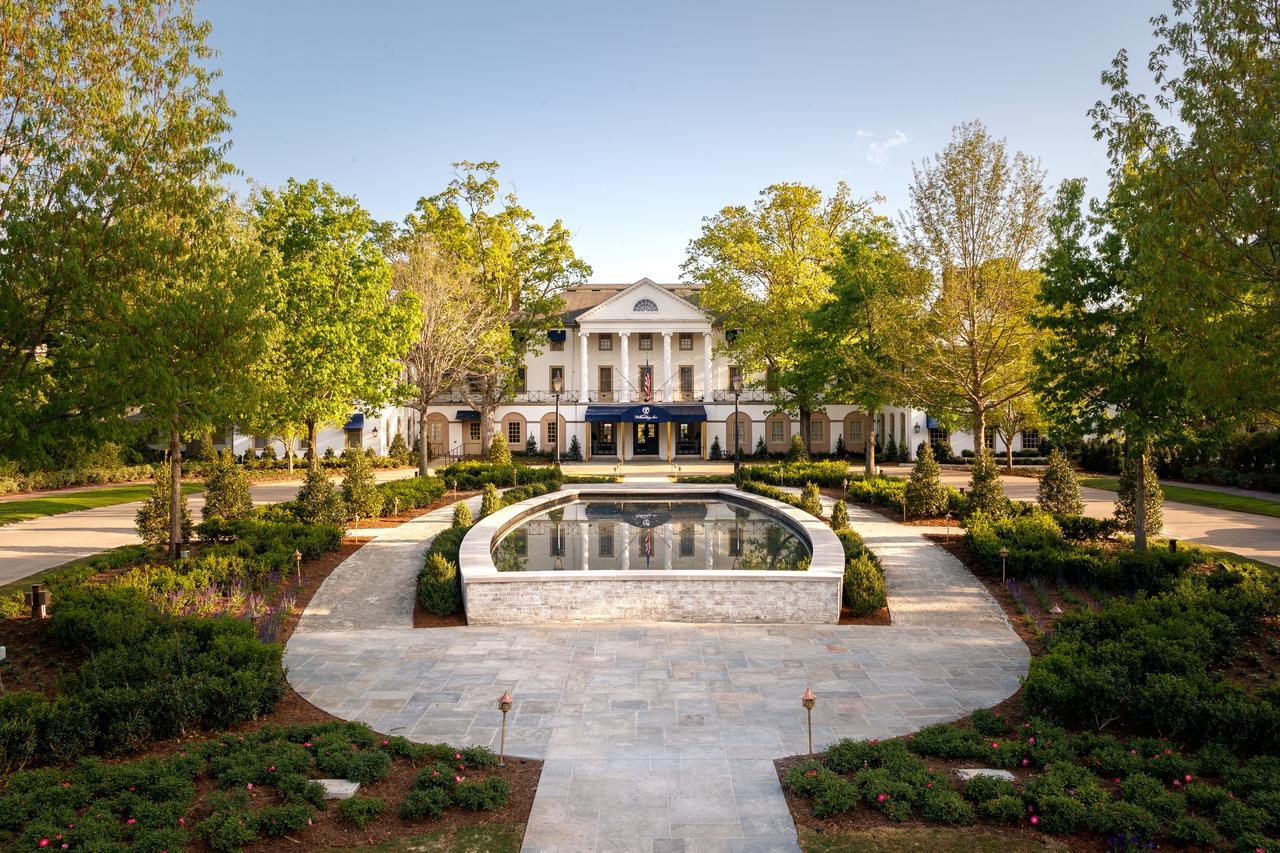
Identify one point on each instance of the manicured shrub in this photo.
(804, 777)
(409, 493)
(925, 494)
(1120, 818)
(485, 796)
(839, 516)
(226, 490)
(462, 515)
(716, 453)
(797, 452)
(833, 795)
(864, 591)
(152, 519)
(361, 810)
(499, 453)
(980, 789)
(1126, 501)
(439, 586)
(425, 803)
(359, 488)
(1059, 490)
(1007, 809)
(491, 501)
(1193, 832)
(941, 805)
(882, 491)
(1146, 791)
(986, 494)
(399, 450)
(274, 821)
(1061, 815)
(318, 502)
(810, 500)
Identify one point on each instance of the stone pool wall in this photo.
(742, 596)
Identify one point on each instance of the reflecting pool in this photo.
(651, 534)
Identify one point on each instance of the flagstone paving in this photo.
(658, 737)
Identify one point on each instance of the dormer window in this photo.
(645, 306)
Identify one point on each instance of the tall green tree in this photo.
(764, 270)
(197, 328)
(1197, 169)
(854, 339)
(1098, 370)
(110, 128)
(344, 331)
(976, 222)
(519, 266)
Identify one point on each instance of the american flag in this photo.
(646, 384)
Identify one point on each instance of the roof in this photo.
(578, 300)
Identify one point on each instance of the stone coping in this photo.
(475, 556)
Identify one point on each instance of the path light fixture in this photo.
(735, 385)
(1004, 555)
(904, 508)
(297, 564)
(504, 705)
(808, 700)
(557, 388)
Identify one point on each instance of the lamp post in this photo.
(1004, 555)
(297, 565)
(735, 385)
(504, 705)
(557, 388)
(808, 700)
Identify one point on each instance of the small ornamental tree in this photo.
(491, 501)
(716, 453)
(152, 520)
(575, 449)
(810, 501)
(1126, 508)
(840, 448)
(926, 496)
(1059, 491)
(761, 451)
(359, 489)
(318, 500)
(796, 452)
(462, 515)
(399, 450)
(531, 445)
(985, 492)
(226, 490)
(499, 452)
(839, 516)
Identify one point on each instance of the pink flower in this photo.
(1187, 778)
(1116, 780)
(131, 821)
(385, 742)
(1025, 762)
(66, 784)
(457, 755)
(995, 744)
(44, 842)
(930, 785)
(457, 778)
(1031, 741)
(182, 821)
(306, 743)
(880, 798)
(1133, 752)
(1035, 820)
(249, 786)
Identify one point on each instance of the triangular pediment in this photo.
(644, 301)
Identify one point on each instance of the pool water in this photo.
(651, 534)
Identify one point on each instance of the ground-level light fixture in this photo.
(297, 564)
(808, 700)
(1004, 555)
(504, 705)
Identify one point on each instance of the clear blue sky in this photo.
(631, 122)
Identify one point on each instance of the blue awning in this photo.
(646, 413)
(467, 415)
(556, 336)
(930, 422)
(356, 422)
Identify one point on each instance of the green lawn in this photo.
(489, 838)
(925, 839)
(1199, 497)
(24, 510)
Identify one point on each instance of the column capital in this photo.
(666, 336)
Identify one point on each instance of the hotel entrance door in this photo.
(646, 440)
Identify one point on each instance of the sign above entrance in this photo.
(646, 413)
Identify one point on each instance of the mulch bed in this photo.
(33, 662)
(408, 515)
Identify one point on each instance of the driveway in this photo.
(42, 543)
(1246, 534)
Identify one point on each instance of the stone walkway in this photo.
(658, 737)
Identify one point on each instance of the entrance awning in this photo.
(646, 413)
(356, 422)
(467, 415)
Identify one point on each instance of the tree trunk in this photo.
(486, 428)
(175, 490)
(871, 444)
(423, 448)
(979, 428)
(314, 462)
(806, 421)
(288, 452)
(1008, 449)
(1140, 502)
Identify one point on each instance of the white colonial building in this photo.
(645, 376)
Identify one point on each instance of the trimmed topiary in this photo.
(361, 810)
(797, 452)
(318, 501)
(1059, 490)
(939, 805)
(985, 492)
(360, 489)
(839, 516)
(425, 803)
(491, 501)
(810, 500)
(462, 515)
(438, 587)
(485, 796)
(226, 490)
(926, 496)
(499, 453)
(1125, 496)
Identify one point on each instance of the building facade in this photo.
(646, 377)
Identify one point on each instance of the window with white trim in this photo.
(777, 432)
(646, 340)
(513, 433)
(817, 431)
(552, 434)
(606, 343)
(475, 430)
(686, 341)
(1031, 439)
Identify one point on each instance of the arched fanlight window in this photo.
(647, 305)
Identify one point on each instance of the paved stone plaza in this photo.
(656, 736)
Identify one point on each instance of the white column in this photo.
(706, 544)
(668, 388)
(708, 381)
(586, 541)
(624, 531)
(667, 548)
(624, 339)
(583, 379)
